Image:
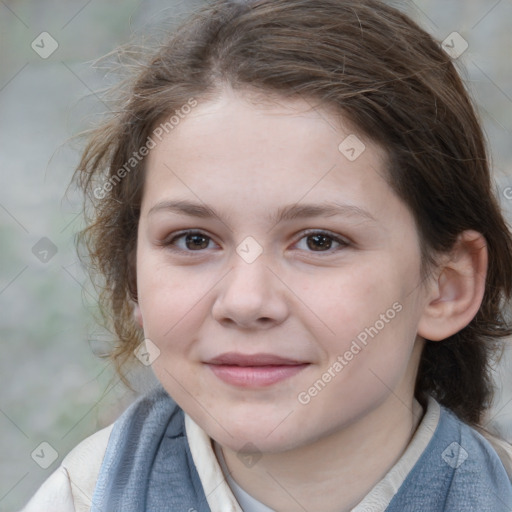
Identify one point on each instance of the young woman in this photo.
(293, 209)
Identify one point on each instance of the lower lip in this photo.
(255, 376)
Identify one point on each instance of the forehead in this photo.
(236, 150)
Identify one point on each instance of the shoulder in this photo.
(70, 487)
(502, 448)
(459, 471)
(82, 465)
(479, 477)
(476, 455)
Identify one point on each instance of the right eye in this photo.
(188, 241)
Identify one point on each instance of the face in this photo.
(278, 274)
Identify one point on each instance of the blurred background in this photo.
(54, 386)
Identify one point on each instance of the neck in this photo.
(334, 473)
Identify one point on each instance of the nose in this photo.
(250, 297)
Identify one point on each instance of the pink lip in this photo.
(254, 370)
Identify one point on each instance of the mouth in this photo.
(254, 370)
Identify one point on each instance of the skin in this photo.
(246, 160)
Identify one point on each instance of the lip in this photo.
(254, 370)
(260, 359)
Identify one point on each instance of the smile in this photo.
(254, 370)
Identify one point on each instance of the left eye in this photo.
(320, 241)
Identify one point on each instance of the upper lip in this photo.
(238, 359)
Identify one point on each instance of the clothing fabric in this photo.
(156, 458)
(458, 471)
(375, 501)
(71, 486)
(148, 464)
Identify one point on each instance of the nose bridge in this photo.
(249, 282)
(250, 294)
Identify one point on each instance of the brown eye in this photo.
(189, 241)
(319, 242)
(196, 241)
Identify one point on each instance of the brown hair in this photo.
(371, 64)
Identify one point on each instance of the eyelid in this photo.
(342, 240)
(168, 242)
(332, 234)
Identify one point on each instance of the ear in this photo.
(456, 293)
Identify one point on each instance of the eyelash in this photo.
(170, 242)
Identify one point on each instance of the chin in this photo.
(253, 437)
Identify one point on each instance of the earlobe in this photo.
(456, 295)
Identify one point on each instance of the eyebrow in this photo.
(286, 213)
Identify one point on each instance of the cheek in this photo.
(349, 301)
(171, 300)
(371, 316)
